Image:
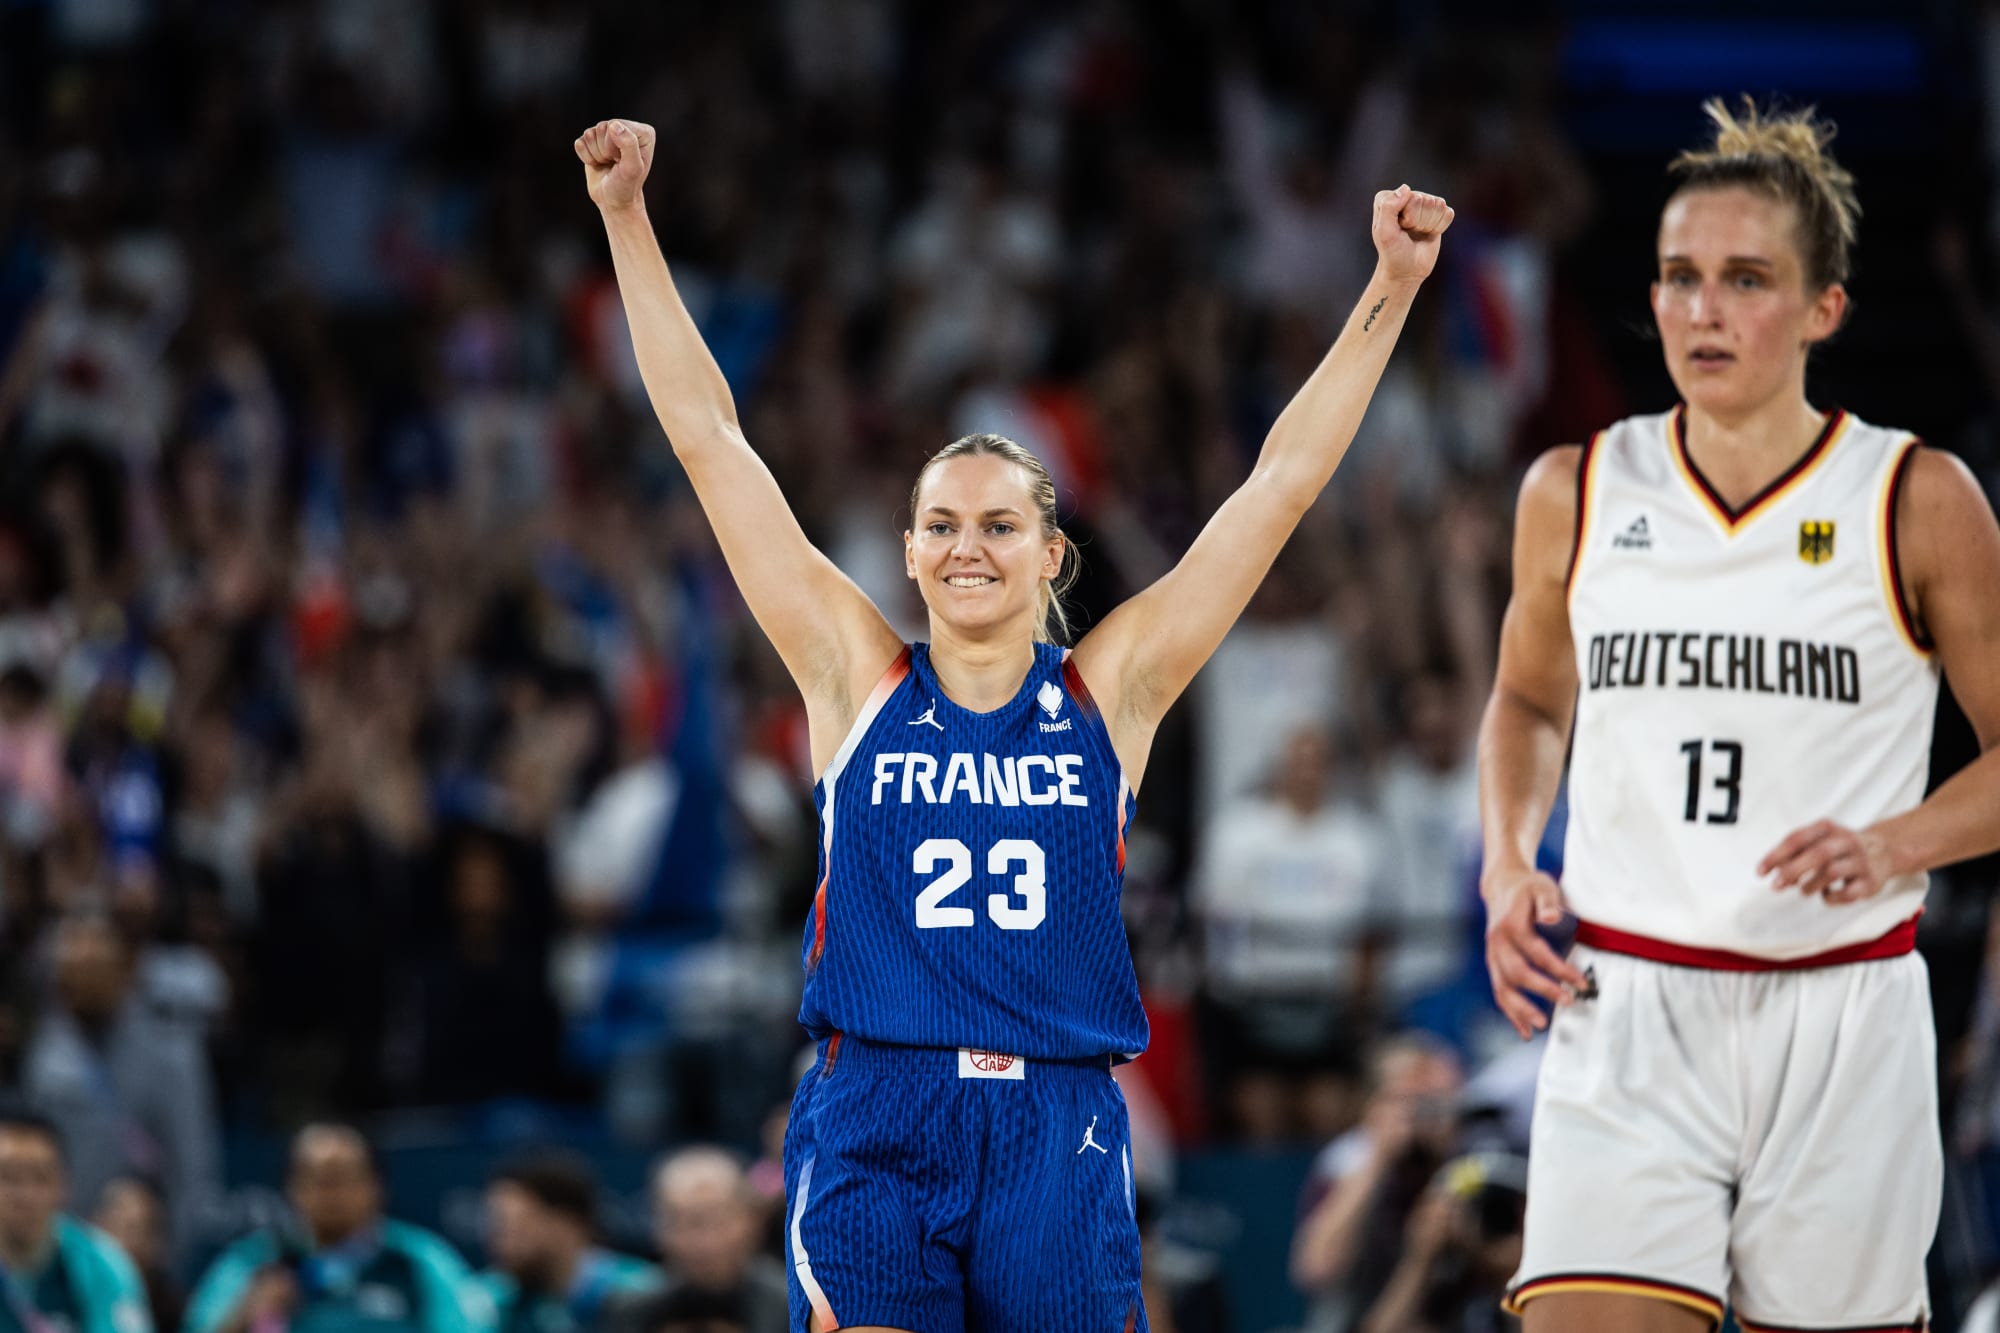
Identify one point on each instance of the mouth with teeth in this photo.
(968, 580)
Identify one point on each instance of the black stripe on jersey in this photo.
(1582, 498)
(1910, 627)
(1801, 463)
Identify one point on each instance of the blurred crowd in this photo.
(379, 728)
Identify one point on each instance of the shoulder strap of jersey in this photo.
(885, 685)
(1889, 556)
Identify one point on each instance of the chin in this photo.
(967, 621)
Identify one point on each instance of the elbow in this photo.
(1289, 491)
(695, 435)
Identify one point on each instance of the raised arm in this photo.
(1522, 742)
(832, 638)
(1141, 656)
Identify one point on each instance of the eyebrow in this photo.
(991, 513)
(1748, 261)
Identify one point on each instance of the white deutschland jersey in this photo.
(1741, 674)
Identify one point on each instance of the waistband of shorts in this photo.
(844, 1050)
(1895, 943)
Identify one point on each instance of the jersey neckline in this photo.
(921, 652)
(1777, 488)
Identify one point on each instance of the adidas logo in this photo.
(1636, 537)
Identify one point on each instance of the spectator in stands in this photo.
(132, 1210)
(345, 1267)
(133, 1094)
(548, 1274)
(705, 1219)
(1460, 1250)
(55, 1271)
(1361, 1192)
(1289, 886)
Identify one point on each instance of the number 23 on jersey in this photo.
(1030, 885)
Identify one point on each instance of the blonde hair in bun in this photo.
(1782, 155)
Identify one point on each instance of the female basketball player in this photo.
(1743, 606)
(958, 1157)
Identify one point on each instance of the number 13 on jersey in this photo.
(1729, 782)
(1031, 885)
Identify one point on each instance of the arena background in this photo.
(379, 728)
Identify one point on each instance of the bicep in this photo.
(1537, 662)
(1944, 515)
(823, 626)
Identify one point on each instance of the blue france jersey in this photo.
(970, 868)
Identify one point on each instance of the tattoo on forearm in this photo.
(1373, 311)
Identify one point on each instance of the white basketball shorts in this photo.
(1767, 1140)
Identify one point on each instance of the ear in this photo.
(1052, 555)
(1827, 314)
(909, 554)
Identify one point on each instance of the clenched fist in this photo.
(1406, 229)
(616, 156)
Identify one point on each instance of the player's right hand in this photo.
(616, 155)
(1519, 961)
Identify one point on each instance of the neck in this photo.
(27, 1253)
(1762, 439)
(980, 674)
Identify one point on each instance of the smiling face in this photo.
(1735, 314)
(977, 548)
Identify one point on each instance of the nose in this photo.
(1706, 309)
(966, 546)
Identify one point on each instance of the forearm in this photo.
(1312, 434)
(687, 388)
(1958, 821)
(1521, 752)
(1331, 1234)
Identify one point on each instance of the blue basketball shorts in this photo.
(944, 1190)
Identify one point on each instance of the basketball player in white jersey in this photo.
(1741, 607)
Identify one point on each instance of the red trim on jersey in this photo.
(832, 1052)
(819, 925)
(1896, 943)
(1073, 682)
(1920, 639)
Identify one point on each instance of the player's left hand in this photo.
(1832, 860)
(1406, 229)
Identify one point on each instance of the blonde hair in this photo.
(1051, 620)
(1784, 156)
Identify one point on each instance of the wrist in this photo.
(617, 214)
(1502, 867)
(1895, 851)
(1395, 284)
